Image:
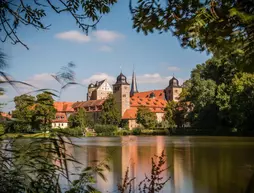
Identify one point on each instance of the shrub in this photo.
(75, 132)
(122, 132)
(153, 132)
(105, 129)
(136, 131)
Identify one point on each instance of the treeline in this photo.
(218, 98)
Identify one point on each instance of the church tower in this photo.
(134, 87)
(172, 92)
(121, 92)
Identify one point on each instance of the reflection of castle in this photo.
(128, 99)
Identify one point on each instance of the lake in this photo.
(196, 164)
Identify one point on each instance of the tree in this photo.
(24, 113)
(110, 114)
(15, 14)
(44, 109)
(211, 25)
(146, 118)
(176, 114)
(237, 102)
(78, 119)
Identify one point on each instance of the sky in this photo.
(113, 47)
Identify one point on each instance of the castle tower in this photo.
(172, 92)
(91, 88)
(121, 92)
(134, 87)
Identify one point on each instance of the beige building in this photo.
(121, 92)
(172, 92)
(99, 90)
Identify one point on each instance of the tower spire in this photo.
(134, 87)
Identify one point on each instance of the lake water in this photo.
(197, 164)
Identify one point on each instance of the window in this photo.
(62, 124)
(125, 87)
(176, 91)
(124, 95)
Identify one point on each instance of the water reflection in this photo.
(197, 164)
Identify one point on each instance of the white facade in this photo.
(60, 125)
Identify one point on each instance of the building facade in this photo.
(128, 99)
(63, 111)
(99, 90)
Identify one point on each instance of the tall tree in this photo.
(44, 109)
(110, 114)
(146, 118)
(78, 119)
(24, 113)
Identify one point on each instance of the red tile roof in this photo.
(148, 102)
(6, 115)
(90, 103)
(60, 118)
(64, 106)
(159, 94)
(130, 113)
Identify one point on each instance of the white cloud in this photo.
(152, 78)
(173, 68)
(107, 36)
(105, 49)
(99, 77)
(73, 36)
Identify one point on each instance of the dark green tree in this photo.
(146, 118)
(44, 109)
(78, 119)
(211, 25)
(176, 114)
(110, 114)
(24, 113)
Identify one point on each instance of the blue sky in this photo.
(97, 56)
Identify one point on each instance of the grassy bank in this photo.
(24, 135)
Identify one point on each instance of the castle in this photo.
(127, 97)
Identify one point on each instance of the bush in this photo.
(1, 129)
(75, 132)
(105, 129)
(136, 131)
(153, 132)
(122, 132)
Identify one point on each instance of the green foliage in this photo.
(44, 109)
(175, 114)
(107, 130)
(25, 113)
(122, 132)
(33, 113)
(210, 25)
(154, 132)
(146, 118)
(78, 119)
(136, 131)
(221, 96)
(110, 114)
(74, 132)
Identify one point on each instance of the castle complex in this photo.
(127, 97)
